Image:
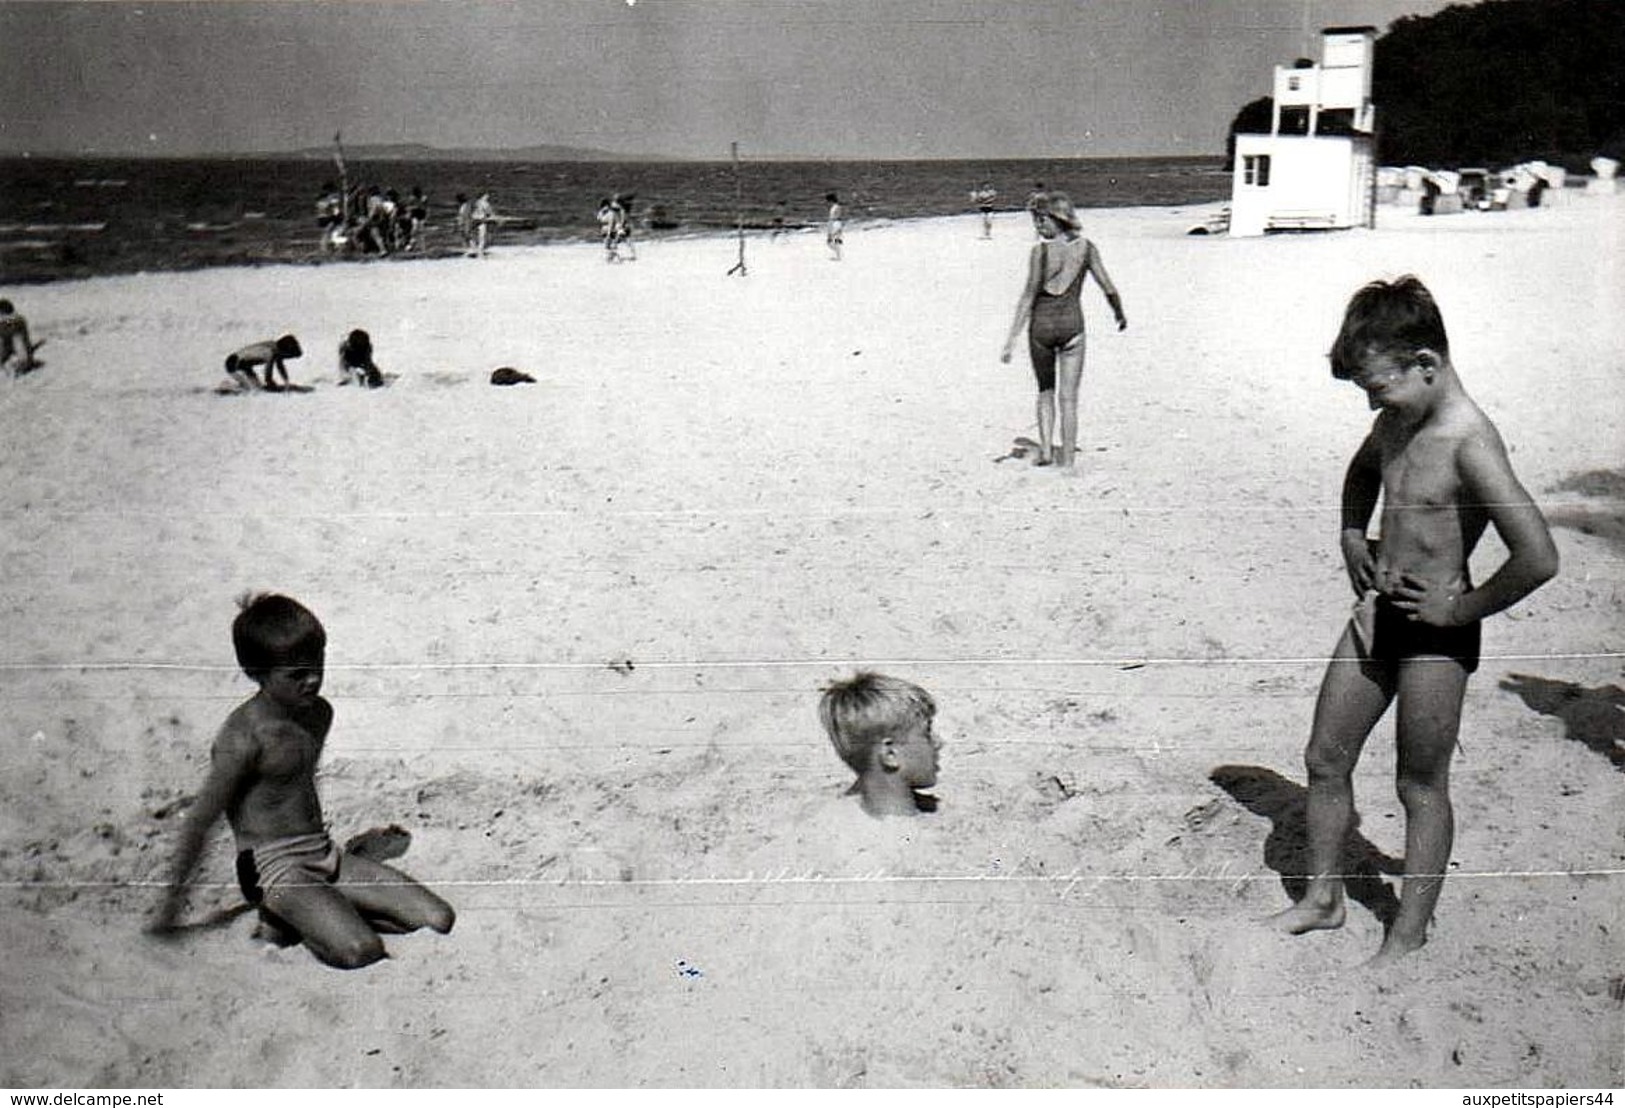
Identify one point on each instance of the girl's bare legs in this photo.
(1068, 372)
(1046, 428)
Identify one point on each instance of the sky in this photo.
(679, 78)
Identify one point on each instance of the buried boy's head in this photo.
(881, 728)
(277, 633)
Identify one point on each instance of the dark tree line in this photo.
(1496, 82)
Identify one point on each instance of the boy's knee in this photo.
(1322, 763)
(1416, 788)
(353, 953)
(441, 917)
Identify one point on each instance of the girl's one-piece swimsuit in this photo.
(1057, 319)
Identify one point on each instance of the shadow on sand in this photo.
(1286, 849)
(1595, 717)
(1606, 520)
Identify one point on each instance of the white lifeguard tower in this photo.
(1316, 169)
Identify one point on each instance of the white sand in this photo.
(747, 487)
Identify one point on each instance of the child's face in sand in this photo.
(294, 685)
(916, 752)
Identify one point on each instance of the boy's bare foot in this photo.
(1304, 917)
(1392, 950)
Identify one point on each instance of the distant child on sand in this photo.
(1035, 204)
(16, 346)
(355, 361)
(1051, 310)
(881, 728)
(484, 216)
(619, 207)
(983, 196)
(607, 229)
(1443, 475)
(834, 230)
(271, 354)
(465, 222)
(262, 778)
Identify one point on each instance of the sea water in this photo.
(64, 218)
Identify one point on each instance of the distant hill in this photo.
(418, 152)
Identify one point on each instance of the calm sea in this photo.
(62, 218)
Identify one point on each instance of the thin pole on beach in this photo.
(344, 177)
(739, 212)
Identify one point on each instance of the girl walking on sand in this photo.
(1051, 310)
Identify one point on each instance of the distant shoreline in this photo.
(754, 233)
(480, 158)
(80, 217)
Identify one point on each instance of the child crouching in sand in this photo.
(271, 354)
(262, 778)
(355, 361)
(881, 728)
(1443, 475)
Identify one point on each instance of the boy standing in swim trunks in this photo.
(262, 777)
(1442, 472)
(835, 228)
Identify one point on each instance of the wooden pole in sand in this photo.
(739, 211)
(344, 179)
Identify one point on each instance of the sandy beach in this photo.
(577, 631)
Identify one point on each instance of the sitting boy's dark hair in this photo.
(1388, 317)
(274, 630)
(358, 345)
(288, 347)
(867, 707)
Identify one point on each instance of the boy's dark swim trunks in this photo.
(1398, 637)
(297, 860)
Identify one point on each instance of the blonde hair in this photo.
(859, 712)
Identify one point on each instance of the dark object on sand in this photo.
(508, 375)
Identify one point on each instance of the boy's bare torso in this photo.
(282, 748)
(1428, 529)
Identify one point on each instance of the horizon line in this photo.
(581, 155)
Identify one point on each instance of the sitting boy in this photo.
(271, 354)
(16, 347)
(881, 728)
(355, 361)
(262, 777)
(1438, 466)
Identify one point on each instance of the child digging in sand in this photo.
(271, 354)
(1443, 475)
(16, 346)
(881, 728)
(355, 361)
(262, 778)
